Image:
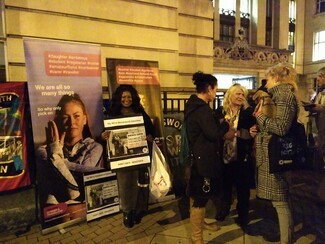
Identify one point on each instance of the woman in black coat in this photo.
(204, 134)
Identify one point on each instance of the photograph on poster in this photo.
(127, 144)
(69, 151)
(11, 150)
(101, 195)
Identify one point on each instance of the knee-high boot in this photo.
(208, 226)
(197, 224)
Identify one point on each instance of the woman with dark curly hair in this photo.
(205, 134)
(133, 184)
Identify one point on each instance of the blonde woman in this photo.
(281, 84)
(237, 153)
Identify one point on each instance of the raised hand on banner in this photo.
(52, 133)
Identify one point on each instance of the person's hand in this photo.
(52, 133)
(318, 108)
(105, 134)
(253, 131)
(149, 138)
(230, 134)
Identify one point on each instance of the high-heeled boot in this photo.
(197, 224)
(208, 226)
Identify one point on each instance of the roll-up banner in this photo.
(14, 168)
(144, 76)
(65, 92)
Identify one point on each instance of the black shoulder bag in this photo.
(288, 152)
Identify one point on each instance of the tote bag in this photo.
(160, 181)
(288, 152)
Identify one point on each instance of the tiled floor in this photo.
(166, 222)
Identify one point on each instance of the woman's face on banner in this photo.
(126, 99)
(74, 120)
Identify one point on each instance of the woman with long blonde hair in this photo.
(281, 84)
(237, 153)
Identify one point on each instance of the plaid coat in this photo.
(274, 186)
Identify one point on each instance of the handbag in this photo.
(160, 181)
(288, 152)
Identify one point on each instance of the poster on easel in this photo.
(67, 121)
(101, 194)
(14, 168)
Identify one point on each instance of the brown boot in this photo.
(197, 225)
(208, 226)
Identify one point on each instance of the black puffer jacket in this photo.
(205, 134)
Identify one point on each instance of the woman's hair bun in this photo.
(198, 77)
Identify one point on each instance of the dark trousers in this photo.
(236, 174)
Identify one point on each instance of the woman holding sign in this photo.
(69, 151)
(132, 183)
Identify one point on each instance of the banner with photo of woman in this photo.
(65, 91)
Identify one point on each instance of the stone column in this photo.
(281, 24)
(258, 22)
(300, 36)
(237, 23)
(216, 21)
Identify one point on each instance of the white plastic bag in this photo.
(160, 182)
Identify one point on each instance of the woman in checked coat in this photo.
(274, 187)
